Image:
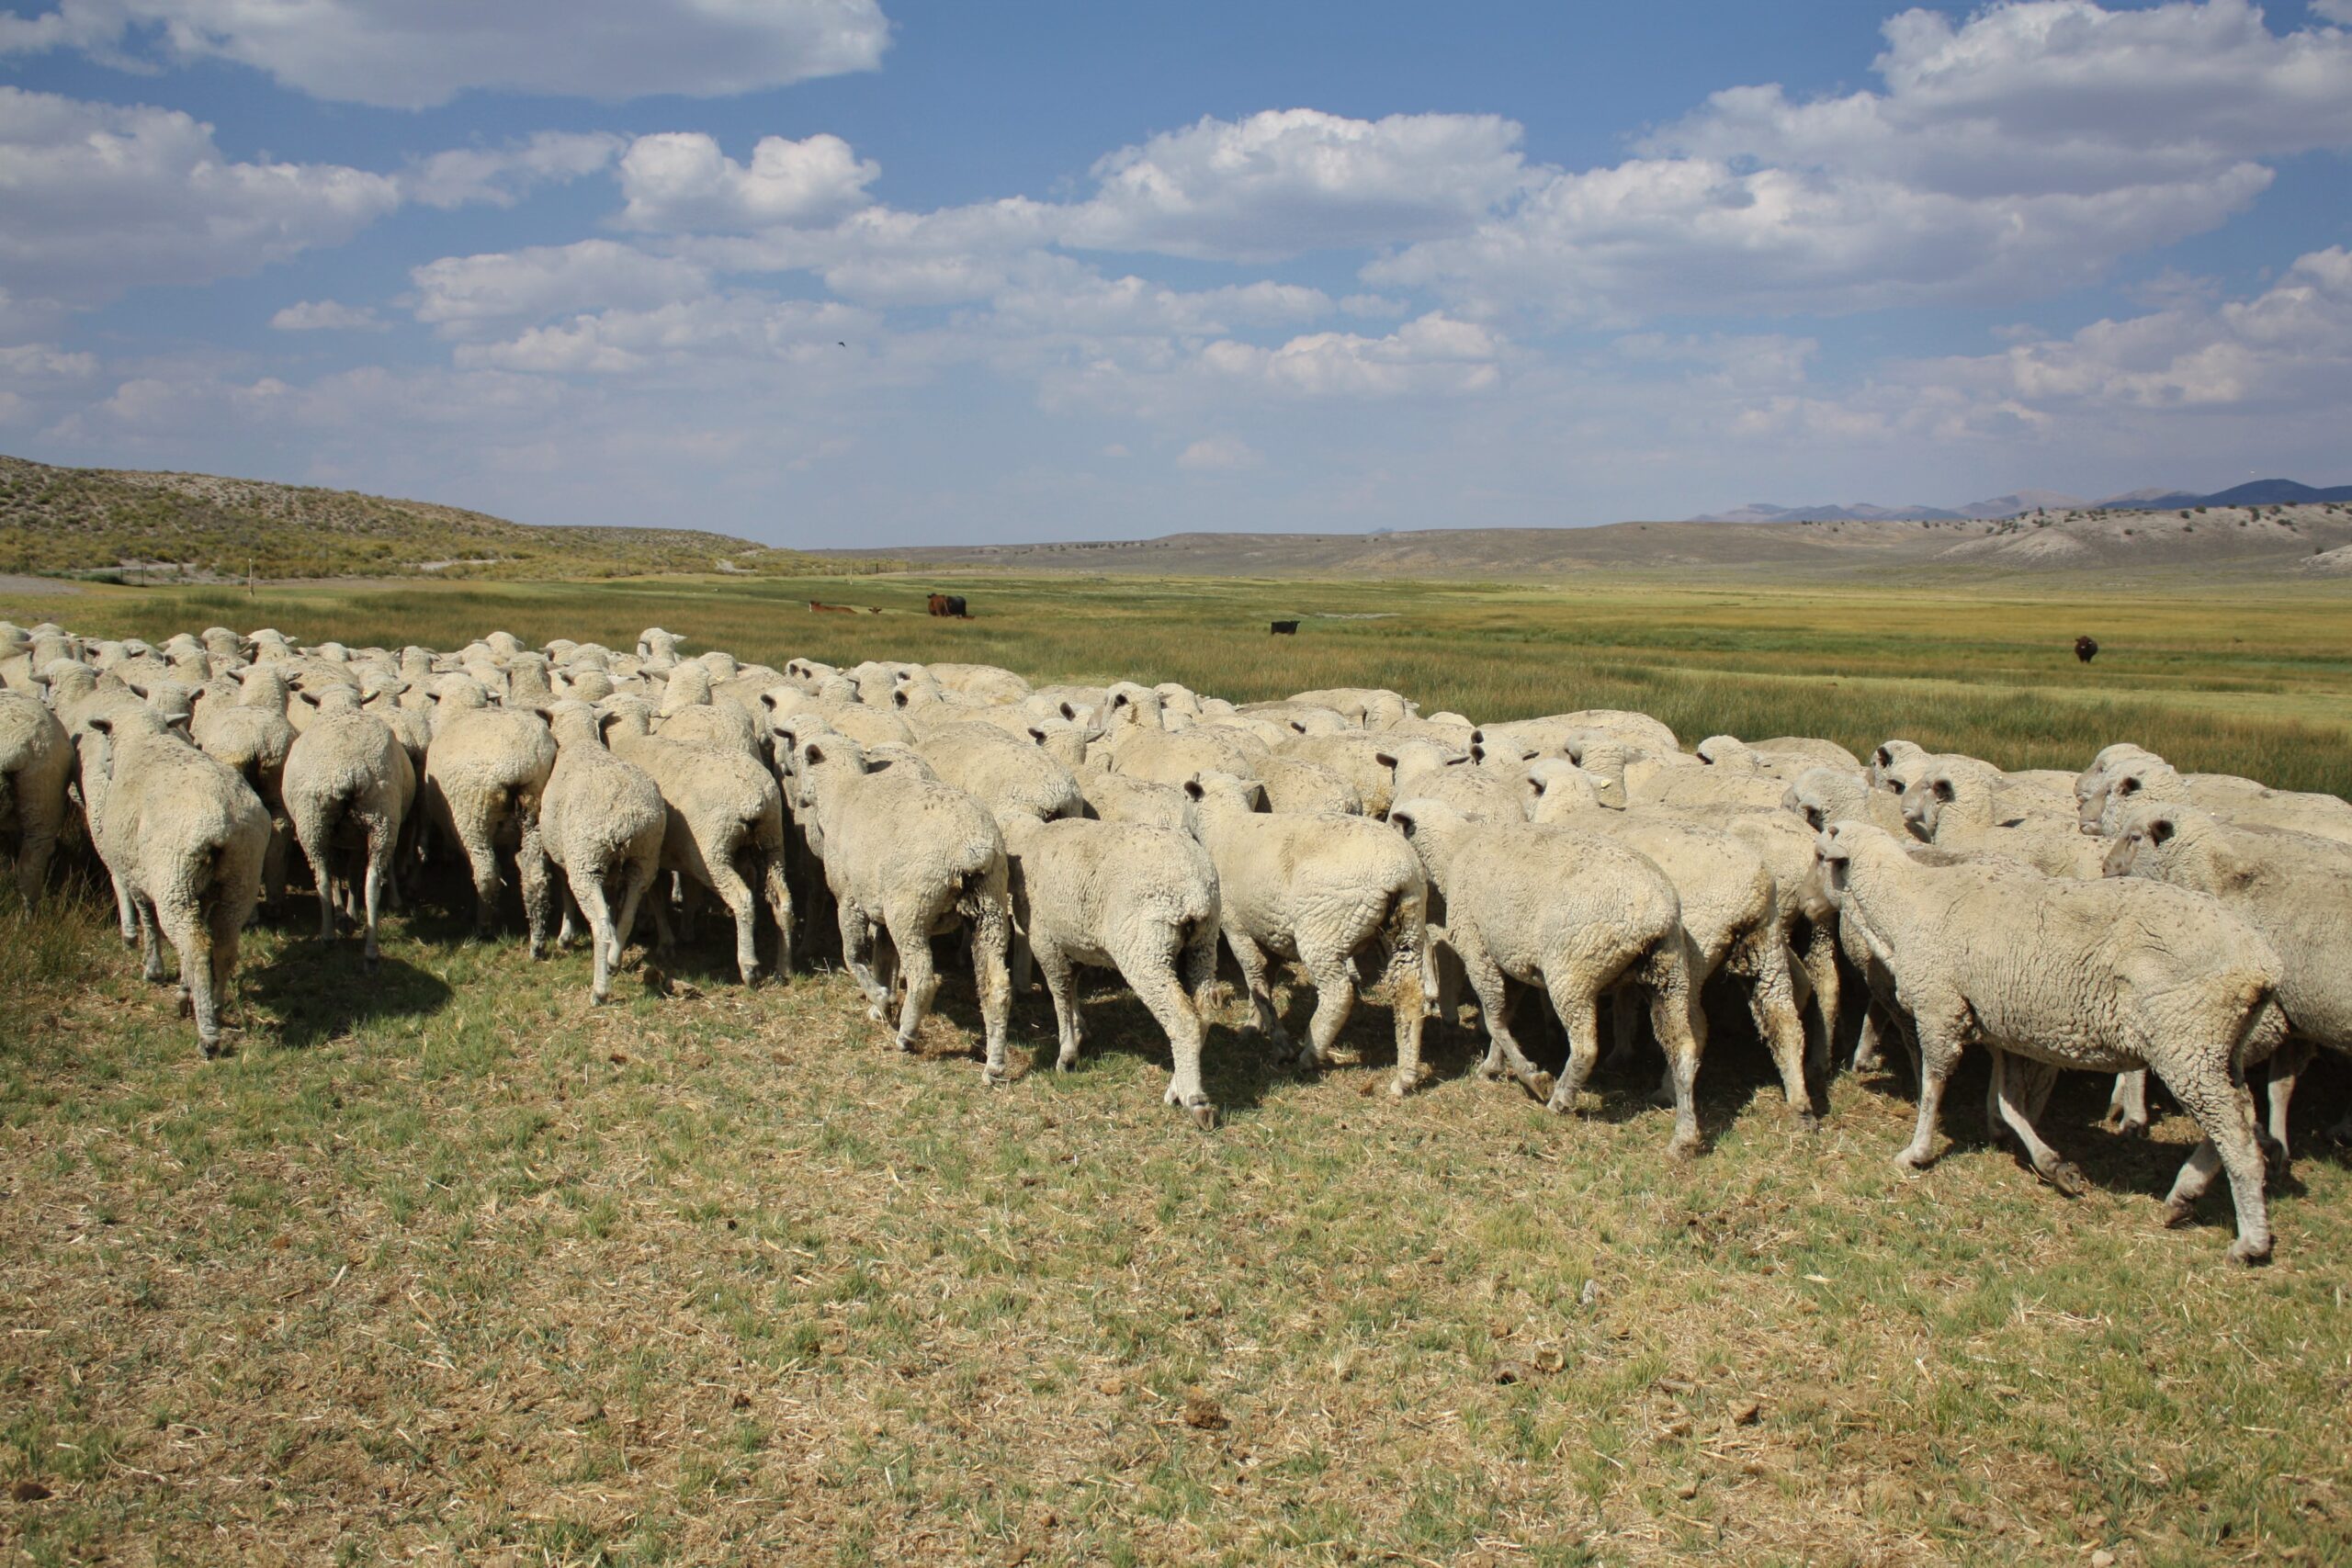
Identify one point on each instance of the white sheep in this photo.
(348, 787)
(2134, 780)
(1573, 914)
(1729, 910)
(1323, 890)
(484, 774)
(602, 823)
(1115, 797)
(1141, 900)
(2293, 888)
(1958, 807)
(915, 858)
(36, 764)
(2106, 976)
(725, 832)
(184, 836)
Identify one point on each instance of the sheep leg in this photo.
(538, 898)
(590, 893)
(1579, 1012)
(990, 916)
(151, 946)
(2014, 1085)
(125, 913)
(1771, 1001)
(1681, 1025)
(481, 857)
(640, 877)
(779, 895)
(273, 869)
(1939, 1045)
(380, 850)
(1819, 965)
(320, 854)
(2127, 1106)
(1054, 967)
(914, 968)
(2226, 1117)
(1335, 999)
(736, 894)
(1503, 1054)
(183, 926)
(1406, 987)
(1264, 1020)
(664, 939)
(857, 950)
(1155, 985)
(227, 918)
(2286, 1065)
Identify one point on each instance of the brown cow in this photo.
(2085, 648)
(823, 608)
(938, 605)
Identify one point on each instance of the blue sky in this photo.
(869, 272)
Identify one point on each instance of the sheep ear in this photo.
(546, 712)
(1037, 735)
(1402, 821)
(1192, 789)
(1296, 727)
(102, 723)
(605, 723)
(767, 701)
(1070, 713)
(1477, 750)
(1534, 786)
(899, 699)
(1384, 759)
(2128, 785)
(179, 721)
(815, 754)
(1943, 789)
(2160, 831)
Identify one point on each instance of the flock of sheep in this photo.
(2130, 919)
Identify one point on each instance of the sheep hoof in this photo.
(1682, 1145)
(2124, 1126)
(876, 1015)
(1662, 1096)
(1067, 1062)
(2177, 1212)
(907, 1043)
(598, 999)
(1911, 1164)
(1539, 1084)
(2246, 1252)
(2064, 1176)
(1204, 1115)
(995, 1077)
(1807, 1122)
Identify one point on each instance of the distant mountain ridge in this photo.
(2253, 492)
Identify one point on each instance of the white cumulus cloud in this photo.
(681, 180)
(1283, 181)
(326, 315)
(414, 53)
(101, 199)
(460, 294)
(501, 175)
(2020, 152)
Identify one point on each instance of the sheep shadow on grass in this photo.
(321, 991)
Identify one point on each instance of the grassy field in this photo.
(444, 1265)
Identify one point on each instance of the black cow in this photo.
(1285, 629)
(2087, 649)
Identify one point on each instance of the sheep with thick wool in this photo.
(1141, 900)
(2104, 975)
(184, 836)
(1326, 890)
(602, 824)
(910, 858)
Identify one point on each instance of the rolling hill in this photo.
(202, 527)
(2301, 540)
